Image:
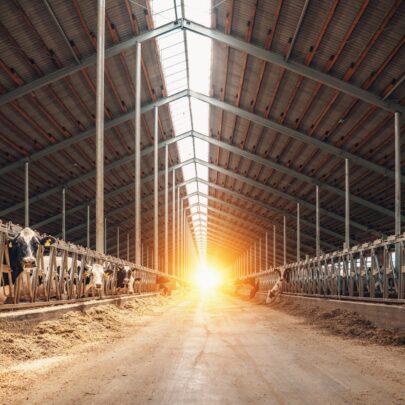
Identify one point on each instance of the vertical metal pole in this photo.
(398, 259)
(173, 221)
(156, 190)
(178, 232)
(147, 258)
(100, 128)
(138, 154)
(63, 213)
(181, 238)
(284, 242)
(318, 250)
(274, 246)
(105, 234)
(347, 205)
(266, 251)
(167, 208)
(260, 254)
(118, 241)
(88, 226)
(255, 258)
(397, 174)
(298, 234)
(27, 197)
(142, 254)
(128, 246)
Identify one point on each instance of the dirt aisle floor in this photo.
(216, 349)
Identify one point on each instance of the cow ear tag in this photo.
(10, 244)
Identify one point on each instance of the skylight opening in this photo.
(188, 115)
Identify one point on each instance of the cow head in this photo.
(96, 274)
(23, 250)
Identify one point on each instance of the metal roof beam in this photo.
(89, 133)
(285, 196)
(274, 209)
(86, 62)
(300, 136)
(86, 176)
(298, 68)
(293, 173)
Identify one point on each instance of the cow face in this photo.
(96, 274)
(24, 248)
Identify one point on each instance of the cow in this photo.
(125, 280)
(94, 278)
(23, 254)
(164, 284)
(250, 282)
(275, 292)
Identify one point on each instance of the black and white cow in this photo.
(23, 252)
(94, 278)
(125, 279)
(275, 292)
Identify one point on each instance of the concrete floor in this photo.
(215, 349)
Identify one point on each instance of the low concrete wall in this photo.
(382, 315)
(53, 312)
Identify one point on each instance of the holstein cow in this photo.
(94, 278)
(275, 292)
(23, 254)
(249, 282)
(125, 280)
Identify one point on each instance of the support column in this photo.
(284, 242)
(64, 213)
(274, 246)
(266, 252)
(260, 254)
(178, 233)
(298, 234)
(100, 244)
(138, 154)
(347, 205)
(318, 249)
(167, 209)
(397, 174)
(255, 258)
(118, 241)
(398, 259)
(156, 190)
(173, 221)
(27, 197)
(128, 246)
(105, 234)
(88, 226)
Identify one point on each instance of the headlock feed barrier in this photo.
(372, 271)
(60, 272)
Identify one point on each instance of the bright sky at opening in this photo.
(186, 63)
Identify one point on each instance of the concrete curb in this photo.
(53, 312)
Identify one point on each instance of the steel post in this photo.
(284, 241)
(398, 250)
(63, 213)
(266, 251)
(138, 195)
(100, 245)
(105, 234)
(317, 221)
(173, 221)
(128, 246)
(347, 205)
(166, 209)
(88, 227)
(298, 234)
(27, 197)
(156, 189)
(118, 241)
(274, 246)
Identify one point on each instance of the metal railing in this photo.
(372, 271)
(64, 279)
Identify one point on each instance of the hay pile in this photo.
(343, 323)
(22, 342)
